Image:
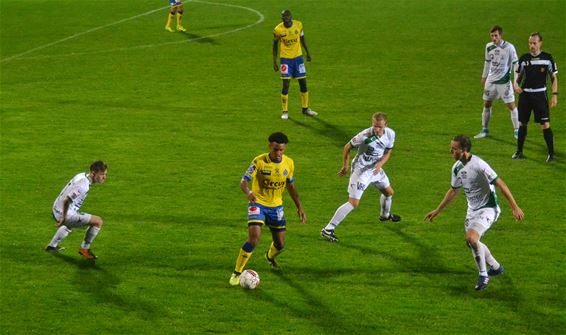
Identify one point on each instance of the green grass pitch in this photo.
(178, 117)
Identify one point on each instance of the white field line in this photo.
(20, 55)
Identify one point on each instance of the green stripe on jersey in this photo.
(370, 139)
(506, 78)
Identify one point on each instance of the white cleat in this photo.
(310, 112)
(482, 134)
(285, 115)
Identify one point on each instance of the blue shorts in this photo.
(293, 68)
(271, 216)
(175, 2)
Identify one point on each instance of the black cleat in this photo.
(491, 272)
(550, 158)
(392, 218)
(482, 283)
(518, 155)
(329, 235)
(53, 249)
(272, 262)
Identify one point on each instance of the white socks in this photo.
(90, 235)
(59, 236)
(340, 215)
(479, 257)
(483, 255)
(515, 118)
(385, 205)
(489, 259)
(485, 117)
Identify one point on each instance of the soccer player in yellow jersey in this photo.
(269, 175)
(176, 10)
(288, 37)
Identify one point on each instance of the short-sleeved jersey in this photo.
(269, 178)
(371, 147)
(535, 71)
(478, 179)
(500, 58)
(289, 39)
(76, 191)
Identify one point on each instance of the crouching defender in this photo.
(270, 174)
(66, 210)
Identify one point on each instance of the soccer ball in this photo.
(249, 279)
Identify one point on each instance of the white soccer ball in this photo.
(249, 279)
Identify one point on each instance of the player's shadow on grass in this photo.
(338, 136)
(502, 290)
(191, 37)
(536, 151)
(319, 313)
(427, 261)
(102, 285)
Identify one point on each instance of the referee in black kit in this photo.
(532, 72)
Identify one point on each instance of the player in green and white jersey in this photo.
(374, 146)
(500, 57)
(478, 180)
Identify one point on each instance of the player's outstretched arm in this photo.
(304, 44)
(448, 197)
(554, 98)
(295, 196)
(247, 191)
(517, 212)
(345, 160)
(275, 51)
(66, 204)
(382, 161)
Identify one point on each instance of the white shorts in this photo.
(492, 92)
(481, 220)
(360, 180)
(74, 220)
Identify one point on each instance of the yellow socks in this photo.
(273, 251)
(305, 99)
(169, 20)
(179, 19)
(242, 260)
(285, 102)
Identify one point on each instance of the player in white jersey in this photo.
(478, 180)
(500, 58)
(67, 205)
(374, 146)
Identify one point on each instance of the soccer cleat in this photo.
(492, 272)
(87, 254)
(482, 283)
(392, 217)
(483, 133)
(53, 249)
(181, 28)
(310, 112)
(285, 115)
(516, 134)
(518, 155)
(550, 158)
(329, 235)
(169, 29)
(235, 279)
(272, 262)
